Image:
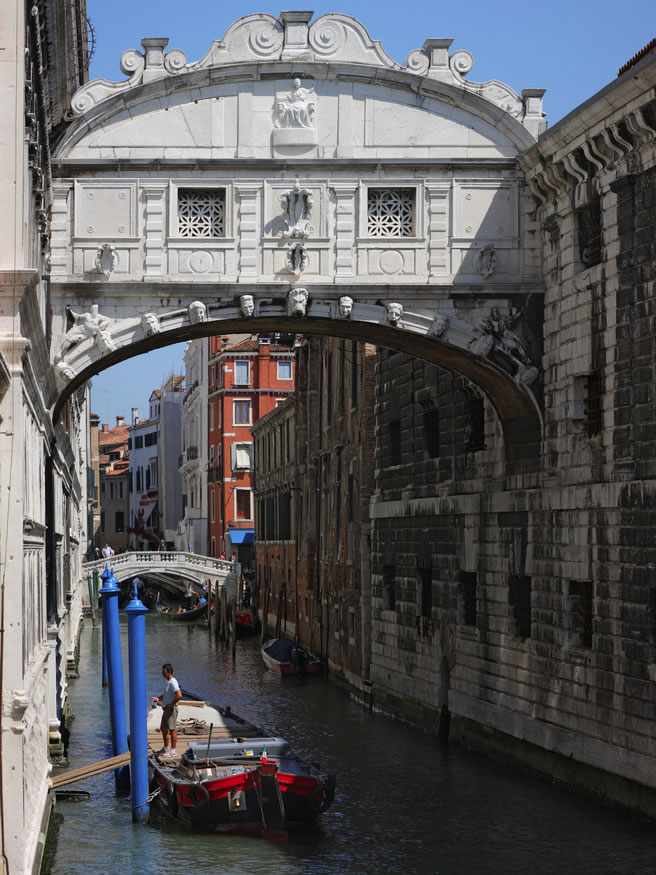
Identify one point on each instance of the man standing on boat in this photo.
(169, 702)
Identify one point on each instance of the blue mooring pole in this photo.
(105, 577)
(112, 637)
(136, 612)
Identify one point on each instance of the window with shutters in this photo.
(242, 457)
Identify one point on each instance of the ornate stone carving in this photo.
(296, 206)
(393, 312)
(439, 326)
(297, 259)
(197, 312)
(297, 109)
(345, 307)
(104, 342)
(106, 259)
(486, 260)
(495, 335)
(247, 306)
(150, 324)
(297, 302)
(64, 372)
(87, 326)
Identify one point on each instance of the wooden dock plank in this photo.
(90, 771)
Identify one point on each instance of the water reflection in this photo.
(403, 804)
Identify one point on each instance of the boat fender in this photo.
(171, 798)
(199, 795)
(328, 790)
(318, 798)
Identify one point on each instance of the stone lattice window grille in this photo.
(391, 212)
(201, 212)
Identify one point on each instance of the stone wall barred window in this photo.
(578, 613)
(467, 598)
(389, 587)
(590, 234)
(476, 410)
(651, 617)
(391, 212)
(519, 598)
(432, 432)
(593, 408)
(425, 586)
(201, 212)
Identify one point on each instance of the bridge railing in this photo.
(145, 559)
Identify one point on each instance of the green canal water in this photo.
(403, 804)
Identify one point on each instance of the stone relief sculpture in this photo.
(297, 109)
(495, 334)
(150, 324)
(345, 307)
(297, 259)
(247, 306)
(197, 312)
(297, 302)
(393, 313)
(104, 342)
(439, 326)
(106, 259)
(296, 206)
(87, 326)
(64, 372)
(486, 260)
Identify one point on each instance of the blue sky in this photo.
(573, 49)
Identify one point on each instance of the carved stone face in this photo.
(297, 302)
(65, 372)
(394, 313)
(197, 312)
(247, 306)
(345, 307)
(150, 324)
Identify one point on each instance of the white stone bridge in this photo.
(298, 179)
(171, 570)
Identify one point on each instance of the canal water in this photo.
(403, 803)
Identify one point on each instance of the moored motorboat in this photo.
(237, 778)
(285, 657)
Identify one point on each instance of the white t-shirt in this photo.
(168, 696)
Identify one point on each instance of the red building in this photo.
(247, 380)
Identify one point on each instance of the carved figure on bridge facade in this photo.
(393, 312)
(296, 206)
(297, 259)
(106, 259)
(439, 325)
(495, 335)
(297, 109)
(64, 372)
(104, 342)
(197, 312)
(247, 306)
(87, 326)
(345, 307)
(297, 302)
(486, 260)
(150, 324)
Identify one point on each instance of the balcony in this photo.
(190, 455)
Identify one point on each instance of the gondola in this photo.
(197, 613)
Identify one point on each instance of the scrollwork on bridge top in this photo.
(333, 37)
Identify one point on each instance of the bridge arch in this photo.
(351, 196)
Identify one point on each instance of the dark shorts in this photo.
(169, 718)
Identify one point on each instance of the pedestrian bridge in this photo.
(172, 570)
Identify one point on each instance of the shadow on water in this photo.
(403, 803)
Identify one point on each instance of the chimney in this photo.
(224, 341)
(120, 420)
(105, 427)
(135, 415)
